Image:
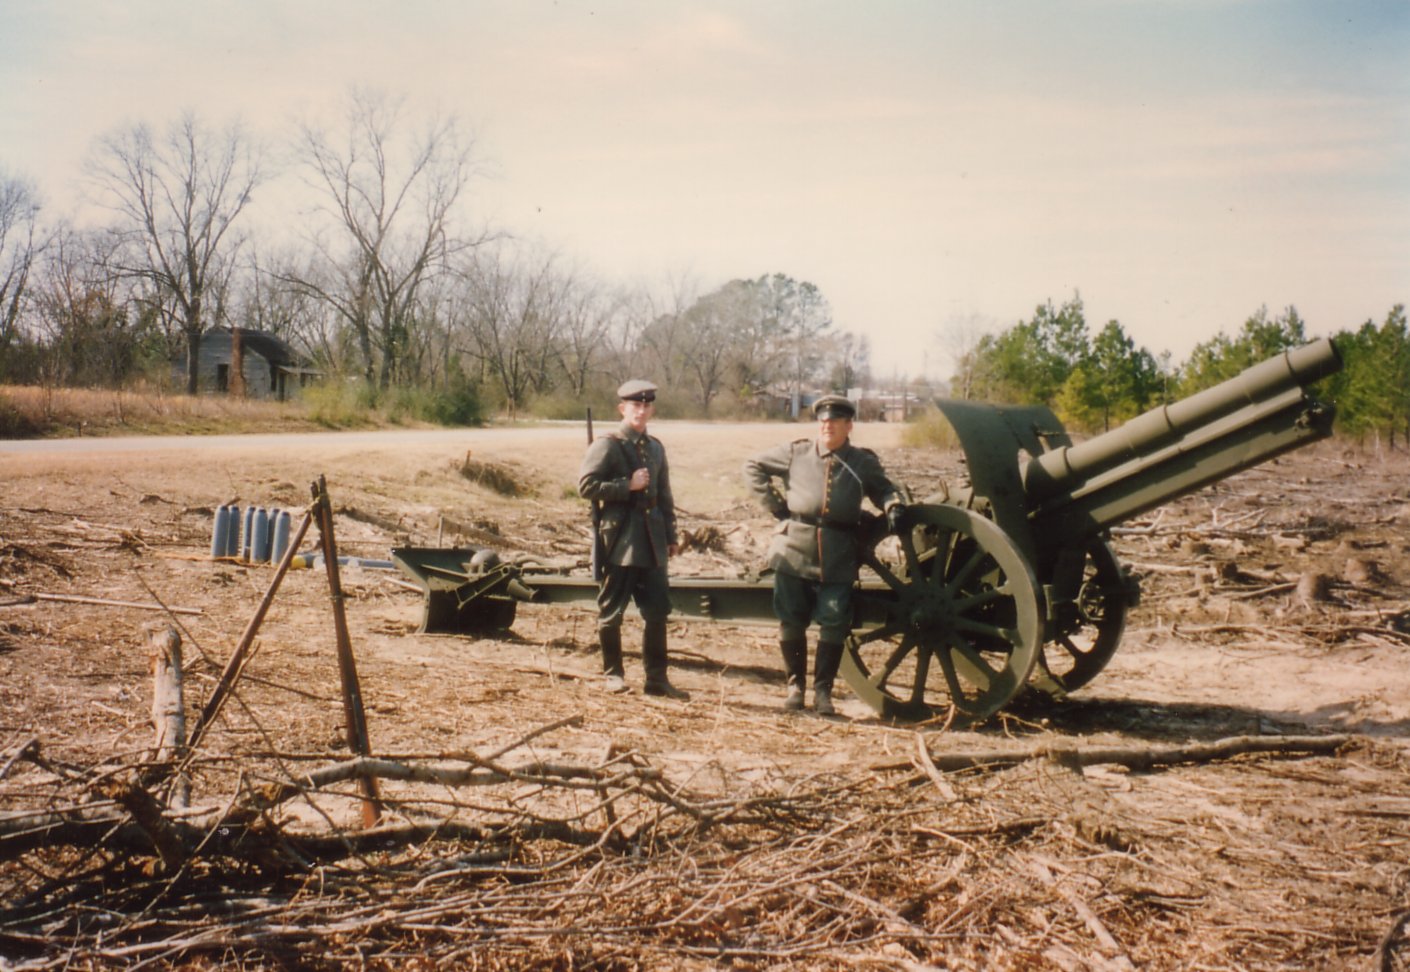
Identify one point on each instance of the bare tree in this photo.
(389, 200)
(706, 338)
(513, 313)
(850, 361)
(963, 337)
(663, 337)
(92, 329)
(801, 316)
(177, 199)
(19, 246)
(590, 315)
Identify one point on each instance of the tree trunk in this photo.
(193, 361)
(168, 704)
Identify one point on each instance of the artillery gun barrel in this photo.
(1066, 468)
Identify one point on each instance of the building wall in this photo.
(214, 373)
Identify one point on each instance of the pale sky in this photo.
(1181, 163)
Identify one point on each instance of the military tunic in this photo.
(636, 528)
(822, 500)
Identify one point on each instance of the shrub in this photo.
(337, 403)
(929, 429)
(15, 424)
(456, 406)
(565, 407)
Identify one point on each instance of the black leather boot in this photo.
(653, 656)
(795, 669)
(829, 660)
(614, 680)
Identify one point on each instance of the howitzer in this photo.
(1002, 584)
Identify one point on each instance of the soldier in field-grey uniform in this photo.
(815, 488)
(626, 472)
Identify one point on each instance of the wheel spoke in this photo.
(981, 598)
(922, 673)
(942, 555)
(962, 576)
(893, 661)
(1067, 643)
(908, 551)
(1092, 631)
(885, 572)
(952, 677)
(951, 563)
(983, 675)
(889, 630)
(1009, 636)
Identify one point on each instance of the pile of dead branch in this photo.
(499, 478)
(524, 857)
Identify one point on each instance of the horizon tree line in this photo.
(385, 275)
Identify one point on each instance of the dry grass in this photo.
(37, 412)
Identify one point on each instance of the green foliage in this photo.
(1223, 357)
(1098, 384)
(347, 403)
(339, 403)
(1030, 362)
(1114, 382)
(456, 405)
(1372, 391)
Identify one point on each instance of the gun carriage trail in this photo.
(1231, 792)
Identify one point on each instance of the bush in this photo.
(930, 429)
(458, 405)
(562, 406)
(338, 404)
(15, 424)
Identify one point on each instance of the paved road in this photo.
(287, 442)
(340, 441)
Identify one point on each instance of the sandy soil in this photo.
(1276, 603)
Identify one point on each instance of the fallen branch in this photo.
(1137, 758)
(105, 602)
(1393, 943)
(1107, 942)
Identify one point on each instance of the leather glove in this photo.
(781, 513)
(893, 516)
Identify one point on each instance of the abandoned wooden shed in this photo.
(267, 366)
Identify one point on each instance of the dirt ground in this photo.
(1275, 604)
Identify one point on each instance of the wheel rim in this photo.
(961, 626)
(1088, 629)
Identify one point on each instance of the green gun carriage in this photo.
(1003, 583)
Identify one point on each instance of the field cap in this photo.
(834, 407)
(637, 390)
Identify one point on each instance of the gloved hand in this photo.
(781, 513)
(893, 516)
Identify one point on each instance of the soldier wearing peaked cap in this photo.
(815, 488)
(626, 472)
(636, 390)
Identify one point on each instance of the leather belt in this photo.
(817, 521)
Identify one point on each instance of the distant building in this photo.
(877, 405)
(270, 368)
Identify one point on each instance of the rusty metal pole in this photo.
(353, 712)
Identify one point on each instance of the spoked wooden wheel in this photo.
(962, 628)
(1088, 629)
